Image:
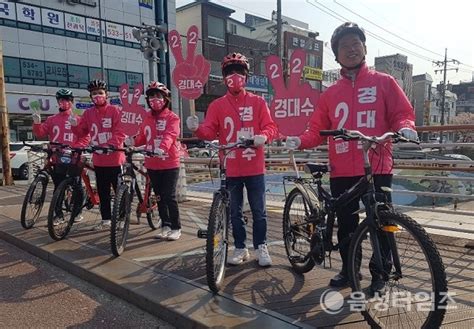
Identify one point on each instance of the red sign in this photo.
(190, 74)
(292, 106)
(132, 113)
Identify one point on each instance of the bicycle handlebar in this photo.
(346, 134)
(242, 143)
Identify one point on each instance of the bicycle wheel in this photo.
(33, 202)
(152, 215)
(65, 205)
(297, 231)
(417, 296)
(120, 220)
(216, 243)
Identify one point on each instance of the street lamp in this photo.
(151, 38)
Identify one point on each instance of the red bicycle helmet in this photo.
(344, 29)
(235, 59)
(161, 87)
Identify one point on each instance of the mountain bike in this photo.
(392, 260)
(127, 188)
(36, 194)
(217, 232)
(69, 199)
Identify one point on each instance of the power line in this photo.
(394, 34)
(384, 29)
(341, 18)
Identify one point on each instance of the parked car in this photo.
(19, 159)
(459, 157)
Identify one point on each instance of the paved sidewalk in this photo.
(168, 278)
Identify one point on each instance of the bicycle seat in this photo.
(316, 167)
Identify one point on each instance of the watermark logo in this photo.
(332, 302)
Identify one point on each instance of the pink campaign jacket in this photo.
(160, 131)
(374, 104)
(58, 130)
(104, 126)
(246, 114)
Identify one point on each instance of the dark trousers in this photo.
(255, 186)
(347, 220)
(164, 184)
(106, 177)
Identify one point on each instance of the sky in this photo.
(418, 29)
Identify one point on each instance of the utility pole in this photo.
(444, 64)
(151, 39)
(278, 22)
(101, 44)
(4, 129)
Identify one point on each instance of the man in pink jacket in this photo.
(364, 100)
(159, 132)
(241, 113)
(57, 127)
(102, 122)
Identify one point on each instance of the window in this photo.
(233, 29)
(251, 64)
(215, 27)
(56, 71)
(32, 69)
(134, 79)
(96, 73)
(216, 68)
(78, 74)
(11, 66)
(116, 78)
(262, 67)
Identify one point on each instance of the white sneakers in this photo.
(103, 225)
(165, 231)
(168, 234)
(262, 256)
(174, 235)
(241, 255)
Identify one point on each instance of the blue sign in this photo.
(257, 83)
(146, 3)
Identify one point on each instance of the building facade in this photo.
(219, 35)
(422, 98)
(398, 67)
(295, 35)
(465, 93)
(255, 38)
(52, 44)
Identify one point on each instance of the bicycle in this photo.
(217, 232)
(36, 193)
(68, 199)
(385, 236)
(127, 188)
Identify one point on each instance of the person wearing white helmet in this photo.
(365, 100)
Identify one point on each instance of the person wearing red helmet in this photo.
(102, 122)
(365, 100)
(241, 113)
(159, 132)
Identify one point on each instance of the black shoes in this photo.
(339, 281)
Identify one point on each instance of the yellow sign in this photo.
(312, 73)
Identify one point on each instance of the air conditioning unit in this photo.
(216, 41)
(213, 77)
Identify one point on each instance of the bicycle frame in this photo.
(129, 177)
(320, 199)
